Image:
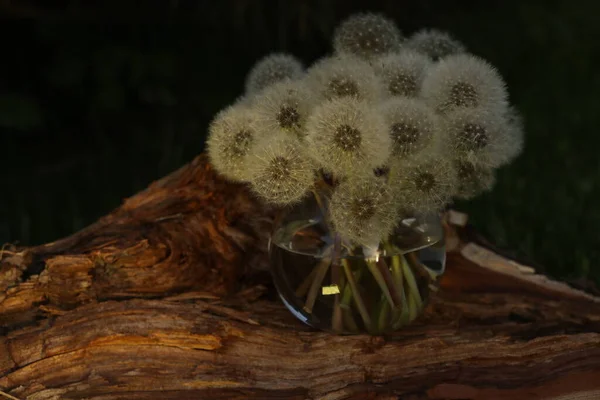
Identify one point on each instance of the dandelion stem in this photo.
(336, 277)
(413, 260)
(305, 285)
(360, 304)
(396, 264)
(313, 292)
(412, 308)
(349, 321)
(380, 279)
(383, 318)
(399, 284)
(403, 317)
(347, 295)
(395, 291)
(397, 273)
(389, 280)
(412, 283)
(337, 323)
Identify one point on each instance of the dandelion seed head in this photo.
(464, 81)
(425, 184)
(402, 73)
(288, 117)
(463, 94)
(344, 76)
(425, 181)
(411, 124)
(342, 86)
(434, 43)
(366, 35)
(232, 134)
(280, 172)
(271, 69)
(473, 179)
(404, 134)
(346, 135)
(474, 136)
(283, 108)
(479, 137)
(363, 210)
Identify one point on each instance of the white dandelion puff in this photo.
(402, 73)
(473, 179)
(411, 124)
(273, 68)
(232, 135)
(479, 137)
(367, 35)
(283, 108)
(464, 81)
(279, 170)
(363, 211)
(515, 132)
(425, 185)
(434, 43)
(346, 135)
(344, 76)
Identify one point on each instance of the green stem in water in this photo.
(402, 318)
(397, 273)
(302, 289)
(360, 304)
(379, 278)
(414, 261)
(313, 292)
(399, 284)
(412, 283)
(384, 313)
(347, 294)
(397, 278)
(336, 319)
(389, 280)
(305, 285)
(349, 321)
(413, 311)
(395, 291)
(336, 277)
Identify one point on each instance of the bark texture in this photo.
(168, 297)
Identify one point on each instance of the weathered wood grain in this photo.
(168, 297)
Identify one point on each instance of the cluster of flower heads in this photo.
(402, 124)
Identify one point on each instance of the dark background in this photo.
(99, 98)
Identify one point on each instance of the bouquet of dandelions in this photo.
(383, 129)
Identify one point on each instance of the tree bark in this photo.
(169, 297)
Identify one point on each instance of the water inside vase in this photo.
(348, 293)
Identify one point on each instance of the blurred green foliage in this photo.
(90, 113)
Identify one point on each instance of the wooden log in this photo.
(169, 297)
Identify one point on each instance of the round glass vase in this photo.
(331, 285)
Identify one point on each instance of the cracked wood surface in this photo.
(168, 297)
